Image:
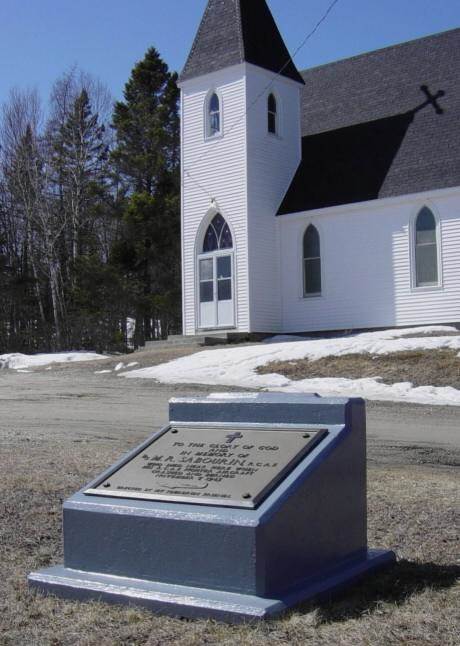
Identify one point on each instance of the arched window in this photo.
(311, 261)
(214, 120)
(272, 114)
(426, 249)
(217, 236)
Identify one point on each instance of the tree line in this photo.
(90, 213)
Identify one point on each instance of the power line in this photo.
(260, 95)
(200, 186)
(309, 35)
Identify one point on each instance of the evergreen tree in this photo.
(81, 161)
(147, 160)
(88, 240)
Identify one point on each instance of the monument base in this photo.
(184, 601)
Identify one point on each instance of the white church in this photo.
(321, 200)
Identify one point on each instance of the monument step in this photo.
(194, 602)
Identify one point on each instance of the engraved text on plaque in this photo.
(235, 467)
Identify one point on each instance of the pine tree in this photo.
(82, 163)
(147, 160)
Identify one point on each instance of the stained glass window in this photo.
(218, 235)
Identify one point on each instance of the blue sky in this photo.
(40, 39)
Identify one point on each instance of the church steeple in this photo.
(238, 31)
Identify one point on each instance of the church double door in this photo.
(216, 290)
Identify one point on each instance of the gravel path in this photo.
(75, 400)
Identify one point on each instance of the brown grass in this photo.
(421, 367)
(411, 509)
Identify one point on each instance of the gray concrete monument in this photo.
(243, 506)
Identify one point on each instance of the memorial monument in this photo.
(243, 506)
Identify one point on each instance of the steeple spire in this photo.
(238, 31)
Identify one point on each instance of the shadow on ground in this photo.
(393, 585)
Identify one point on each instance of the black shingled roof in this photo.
(238, 31)
(366, 133)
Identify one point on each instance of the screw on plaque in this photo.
(306, 435)
(107, 484)
(246, 496)
(174, 430)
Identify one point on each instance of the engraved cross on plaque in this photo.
(233, 436)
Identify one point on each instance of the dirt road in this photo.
(74, 401)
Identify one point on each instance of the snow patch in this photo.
(373, 389)
(237, 366)
(18, 361)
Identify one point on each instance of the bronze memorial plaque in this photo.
(210, 465)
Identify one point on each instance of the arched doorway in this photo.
(215, 276)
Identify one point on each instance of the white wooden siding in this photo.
(365, 248)
(366, 266)
(219, 166)
(272, 162)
